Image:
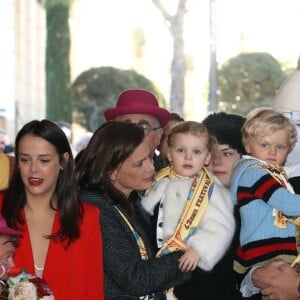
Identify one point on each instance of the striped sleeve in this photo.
(262, 189)
(258, 184)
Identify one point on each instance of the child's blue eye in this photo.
(280, 147)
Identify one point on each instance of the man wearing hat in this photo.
(141, 107)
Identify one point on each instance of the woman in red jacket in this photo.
(61, 239)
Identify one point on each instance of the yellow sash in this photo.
(193, 211)
(4, 171)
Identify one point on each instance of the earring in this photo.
(3, 270)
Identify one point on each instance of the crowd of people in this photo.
(157, 207)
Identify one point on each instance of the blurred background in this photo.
(67, 60)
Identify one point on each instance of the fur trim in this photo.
(175, 198)
(216, 229)
(154, 195)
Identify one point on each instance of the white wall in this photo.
(7, 96)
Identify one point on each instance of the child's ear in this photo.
(208, 159)
(247, 148)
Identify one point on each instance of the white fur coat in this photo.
(216, 227)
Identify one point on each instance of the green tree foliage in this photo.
(97, 89)
(57, 60)
(249, 80)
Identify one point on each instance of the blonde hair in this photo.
(263, 121)
(193, 128)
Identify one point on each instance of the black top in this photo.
(126, 275)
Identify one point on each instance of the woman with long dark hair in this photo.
(61, 239)
(114, 167)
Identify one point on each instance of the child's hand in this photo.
(189, 260)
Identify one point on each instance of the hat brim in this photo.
(161, 114)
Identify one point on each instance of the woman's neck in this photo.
(40, 202)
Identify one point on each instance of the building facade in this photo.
(22, 60)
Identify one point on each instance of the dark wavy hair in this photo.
(226, 128)
(65, 193)
(111, 144)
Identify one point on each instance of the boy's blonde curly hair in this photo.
(261, 122)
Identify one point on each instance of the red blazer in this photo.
(72, 273)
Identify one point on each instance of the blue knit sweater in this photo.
(257, 194)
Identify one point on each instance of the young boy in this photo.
(191, 211)
(259, 187)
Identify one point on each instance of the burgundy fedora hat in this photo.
(137, 101)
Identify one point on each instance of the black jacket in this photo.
(126, 275)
